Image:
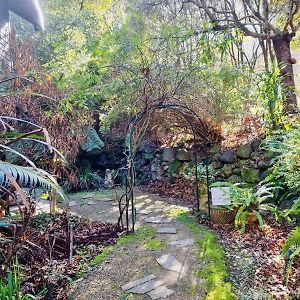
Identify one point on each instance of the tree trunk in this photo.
(282, 48)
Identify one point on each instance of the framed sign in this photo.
(220, 196)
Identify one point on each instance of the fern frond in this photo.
(292, 242)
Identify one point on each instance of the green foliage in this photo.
(10, 287)
(272, 96)
(189, 173)
(285, 165)
(214, 268)
(291, 249)
(89, 180)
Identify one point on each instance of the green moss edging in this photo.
(214, 271)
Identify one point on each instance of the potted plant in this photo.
(249, 203)
(225, 211)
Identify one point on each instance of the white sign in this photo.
(220, 196)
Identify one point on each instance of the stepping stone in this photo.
(158, 220)
(169, 262)
(182, 243)
(72, 203)
(144, 212)
(166, 230)
(134, 283)
(87, 196)
(91, 203)
(161, 292)
(146, 287)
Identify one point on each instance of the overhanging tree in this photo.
(272, 22)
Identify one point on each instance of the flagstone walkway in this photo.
(137, 271)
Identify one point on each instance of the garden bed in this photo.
(47, 264)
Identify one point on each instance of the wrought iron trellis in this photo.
(126, 201)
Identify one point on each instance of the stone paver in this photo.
(161, 292)
(158, 220)
(134, 283)
(144, 212)
(72, 203)
(183, 243)
(169, 262)
(146, 287)
(167, 230)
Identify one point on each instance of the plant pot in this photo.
(252, 218)
(221, 215)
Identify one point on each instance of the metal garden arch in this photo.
(126, 201)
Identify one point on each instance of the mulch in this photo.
(45, 256)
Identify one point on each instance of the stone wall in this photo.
(248, 163)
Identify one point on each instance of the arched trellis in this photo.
(126, 201)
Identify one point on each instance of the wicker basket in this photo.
(221, 215)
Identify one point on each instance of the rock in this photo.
(174, 166)
(236, 171)
(146, 287)
(169, 154)
(91, 203)
(217, 164)
(93, 144)
(263, 164)
(226, 171)
(158, 220)
(167, 230)
(72, 203)
(214, 150)
(235, 179)
(161, 292)
(182, 243)
(256, 144)
(269, 154)
(169, 262)
(227, 157)
(254, 156)
(184, 155)
(244, 151)
(250, 175)
(134, 283)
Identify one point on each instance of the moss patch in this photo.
(154, 245)
(212, 254)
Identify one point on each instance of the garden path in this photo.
(159, 264)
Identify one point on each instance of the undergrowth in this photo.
(212, 254)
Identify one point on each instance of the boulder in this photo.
(226, 171)
(214, 150)
(244, 151)
(235, 179)
(168, 154)
(269, 154)
(93, 144)
(227, 157)
(184, 155)
(174, 166)
(217, 164)
(254, 156)
(250, 175)
(256, 144)
(263, 164)
(236, 171)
